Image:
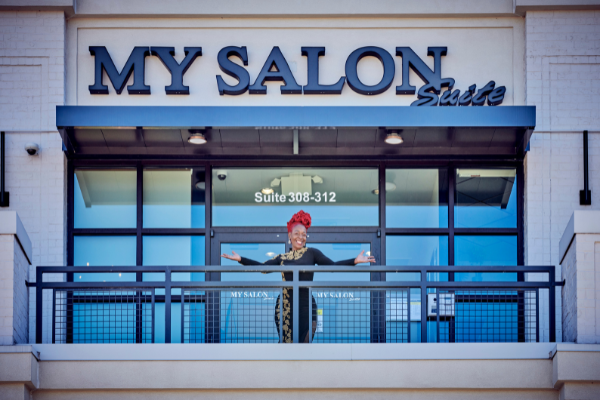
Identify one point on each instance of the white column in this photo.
(580, 260)
(15, 258)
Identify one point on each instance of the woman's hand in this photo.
(361, 258)
(234, 257)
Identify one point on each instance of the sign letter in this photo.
(282, 73)
(177, 70)
(233, 70)
(312, 59)
(412, 61)
(135, 64)
(388, 70)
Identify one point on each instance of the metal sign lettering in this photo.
(276, 68)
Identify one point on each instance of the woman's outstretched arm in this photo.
(322, 259)
(247, 261)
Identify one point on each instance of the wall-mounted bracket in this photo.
(585, 195)
(4, 195)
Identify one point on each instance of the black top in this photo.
(304, 256)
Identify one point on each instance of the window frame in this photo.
(382, 231)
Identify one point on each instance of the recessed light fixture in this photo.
(394, 137)
(197, 138)
(201, 185)
(270, 254)
(267, 191)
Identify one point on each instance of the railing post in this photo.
(167, 305)
(437, 315)
(310, 313)
(408, 313)
(423, 309)
(552, 304)
(537, 315)
(295, 306)
(53, 316)
(153, 315)
(183, 315)
(38, 305)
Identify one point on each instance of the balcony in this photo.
(174, 307)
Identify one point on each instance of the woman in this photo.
(298, 255)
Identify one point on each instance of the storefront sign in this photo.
(298, 197)
(276, 69)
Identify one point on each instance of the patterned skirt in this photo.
(303, 317)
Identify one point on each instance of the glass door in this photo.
(257, 321)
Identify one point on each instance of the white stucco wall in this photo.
(563, 82)
(32, 75)
(497, 54)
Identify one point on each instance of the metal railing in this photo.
(421, 310)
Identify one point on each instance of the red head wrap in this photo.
(300, 218)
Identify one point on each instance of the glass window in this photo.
(485, 250)
(270, 196)
(342, 251)
(105, 198)
(486, 198)
(176, 251)
(416, 198)
(104, 251)
(260, 252)
(174, 198)
(416, 251)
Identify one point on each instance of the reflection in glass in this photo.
(174, 198)
(104, 198)
(235, 325)
(416, 198)
(175, 251)
(486, 198)
(485, 250)
(416, 251)
(342, 251)
(260, 252)
(104, 251)
(270, 196)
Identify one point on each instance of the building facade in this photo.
(143, 140)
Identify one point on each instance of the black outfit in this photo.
(304, 256)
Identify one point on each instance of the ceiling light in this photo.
(270, 254)
(389, 187)
(197, 138)
(317, 179)
(201, 185)
(267, 191)
(394, 138)
(486, 173)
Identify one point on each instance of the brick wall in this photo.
(563, 81)
(32, 81)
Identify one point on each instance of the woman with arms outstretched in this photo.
(298, 255)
